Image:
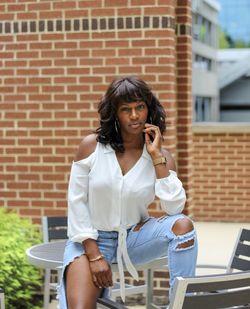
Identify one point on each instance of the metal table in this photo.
(47, 255)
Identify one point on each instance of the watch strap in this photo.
(160, 160)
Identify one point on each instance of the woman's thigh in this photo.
(152, 239)
(80, 289)
(76, 281)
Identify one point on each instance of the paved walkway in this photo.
(216, 242)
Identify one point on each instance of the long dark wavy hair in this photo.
(126, 89)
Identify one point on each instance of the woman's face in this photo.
(132, 117)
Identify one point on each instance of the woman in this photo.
(116, 174)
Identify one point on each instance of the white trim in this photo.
(233, 72)
(221, 127)
(214, 4)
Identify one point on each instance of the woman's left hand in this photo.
(153, 140)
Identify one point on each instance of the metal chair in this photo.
(54, 228)
(147, 288)
(2, 305)
(211, 292)
(240, 258)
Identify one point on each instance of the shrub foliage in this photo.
(21, 281)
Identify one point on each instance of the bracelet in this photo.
(99, 257)
(161, 160)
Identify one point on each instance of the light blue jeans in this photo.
(153, 240)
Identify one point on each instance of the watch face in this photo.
(164, 160)
(160, 160)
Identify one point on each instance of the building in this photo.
(221, 173)
(205, 44)
(234, 84)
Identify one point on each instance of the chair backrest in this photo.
(211, 292)
(240, 258)
(54, 228)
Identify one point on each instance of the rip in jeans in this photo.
(185, 245)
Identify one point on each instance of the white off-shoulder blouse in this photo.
(100, 197)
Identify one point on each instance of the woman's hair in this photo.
(126, 89)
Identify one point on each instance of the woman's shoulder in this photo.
(86, 147)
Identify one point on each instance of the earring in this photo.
(117, 126)
(150, 119)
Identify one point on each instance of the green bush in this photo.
(21, 281)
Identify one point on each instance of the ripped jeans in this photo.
(152, 240)
(156, 239)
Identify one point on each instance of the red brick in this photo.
(7, 16)
(52, 36)
(89, 4)
(64, 5)
(41, 45)
(115, 3)
(30, 212)
(40, 115)
(27, 38)
(142, 2)
(76, 13)
(102, 12)
(17, 203)
(50, 14)
(42, 6)
(159, 10)
(26, 16)
(69, 45)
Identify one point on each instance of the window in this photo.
(202, 63)
(202, 29)
(202, 109)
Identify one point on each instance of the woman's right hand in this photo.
(100, 268)
(101, 273)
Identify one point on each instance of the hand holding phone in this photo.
(153, 140)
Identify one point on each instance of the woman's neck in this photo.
(133, 143)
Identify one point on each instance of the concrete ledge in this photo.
(221, 127)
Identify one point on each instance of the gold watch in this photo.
(161, 160)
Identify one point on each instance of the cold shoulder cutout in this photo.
(86, 147)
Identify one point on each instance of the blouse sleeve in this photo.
(79, 222)
(171, 193)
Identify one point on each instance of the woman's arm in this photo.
(80, 227)
(79, 223)
(168, 188)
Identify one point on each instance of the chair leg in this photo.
(150, 287)
(46, 288)
(2, 305)
(149, 280)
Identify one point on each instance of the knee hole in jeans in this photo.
(181, 227)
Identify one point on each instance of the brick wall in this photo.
(221, 173)
(56, 60)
